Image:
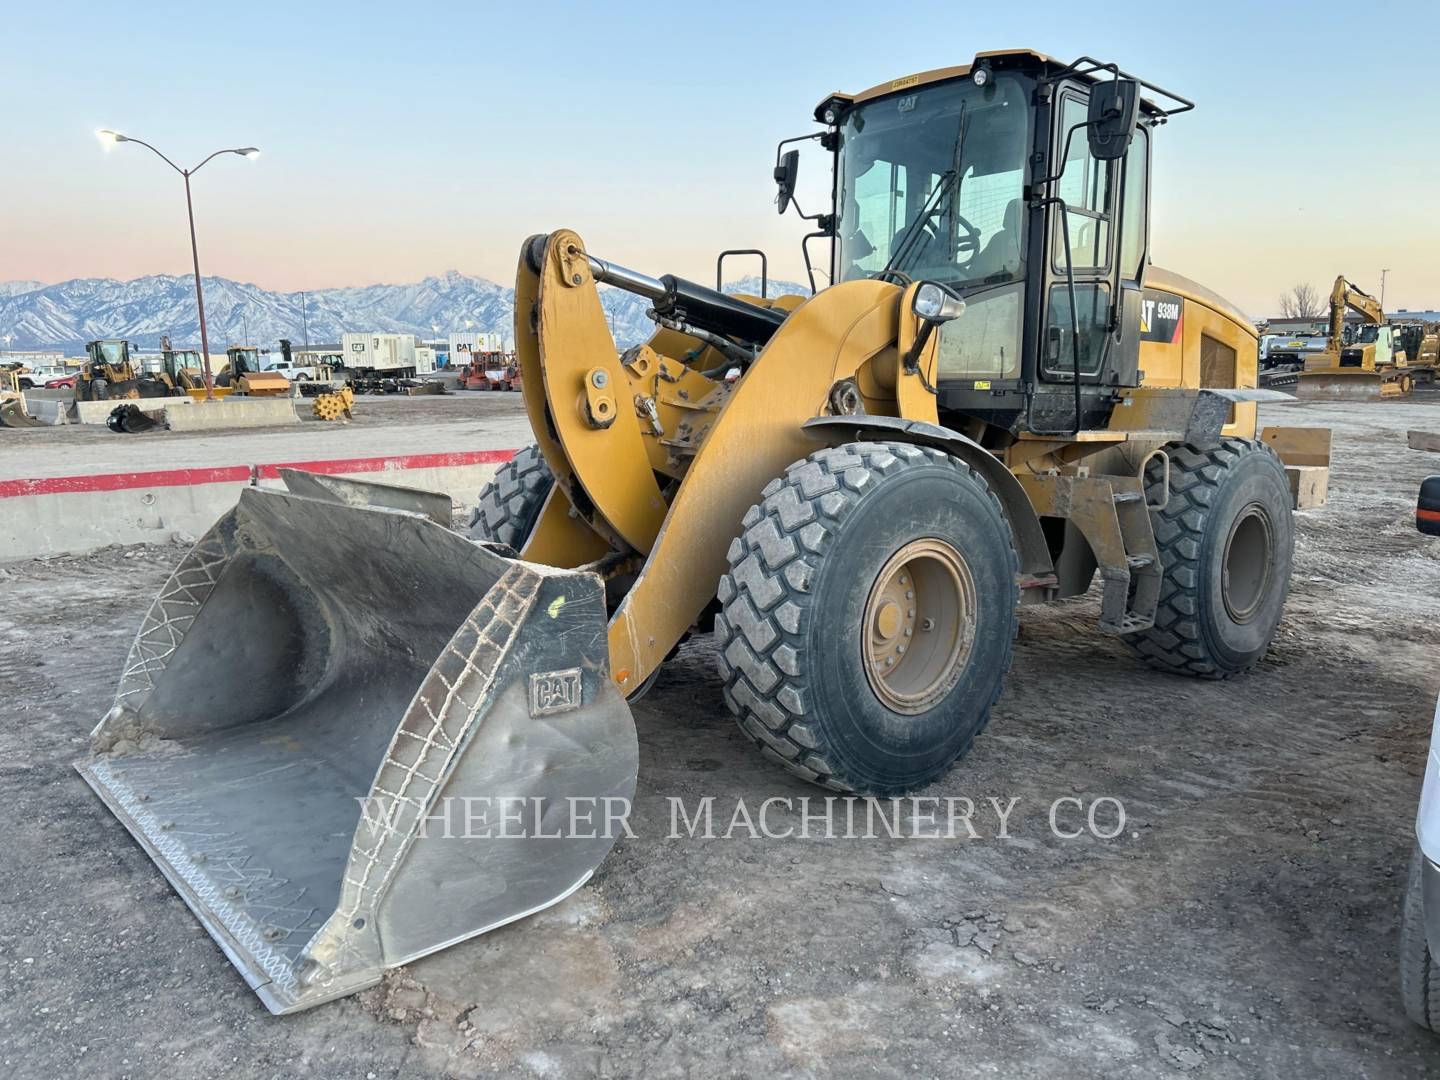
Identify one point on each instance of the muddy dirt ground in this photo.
(1244, 923)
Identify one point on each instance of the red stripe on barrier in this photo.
(229, 474)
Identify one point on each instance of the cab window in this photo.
(1133, 206)
(1085, 187)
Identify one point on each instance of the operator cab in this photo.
(1022, 184)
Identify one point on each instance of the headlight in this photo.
(935, 303)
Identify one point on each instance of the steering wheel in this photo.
(967, 244)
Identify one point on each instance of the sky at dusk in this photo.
(401, 140)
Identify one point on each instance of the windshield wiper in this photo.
(912, 234)
(917, 227)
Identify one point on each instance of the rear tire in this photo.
(814, 605)
(509, 506)
(1225, 537)
(1419, 975)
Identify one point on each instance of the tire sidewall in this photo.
(1255, 480)
(874, 744)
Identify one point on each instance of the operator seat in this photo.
(1001, 253)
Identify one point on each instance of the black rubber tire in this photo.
(792, 610)
(509, 506)
(1419, 974)
(1210, 490)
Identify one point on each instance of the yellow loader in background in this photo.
(418, 736)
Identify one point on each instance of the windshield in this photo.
(932, 181)
(112, 352)
(1368, 334)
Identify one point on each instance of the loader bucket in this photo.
(13, 414)
(350, 737)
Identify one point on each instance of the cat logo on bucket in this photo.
(554, 692)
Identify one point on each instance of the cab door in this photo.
(1103, 215)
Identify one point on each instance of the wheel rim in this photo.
(1246, 568)
(919, 625)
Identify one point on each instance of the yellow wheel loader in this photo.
(417, 736)
(110, 373)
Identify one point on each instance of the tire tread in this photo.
(767, 605)
(1175, 642)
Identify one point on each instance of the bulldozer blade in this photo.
(350, 737)
(1354, 385)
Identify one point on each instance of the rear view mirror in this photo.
(785, 175)
(1114, 111)
(1427, 507)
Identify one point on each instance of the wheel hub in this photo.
(919, 625)
(1245, 574)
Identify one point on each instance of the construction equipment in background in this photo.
(128, 418)
(109, 373)
(336, 405)
(384, 363)
(997, 399)
(244, 374)
(13, 413)
(502, 373)
(182, 368)
(1371, 366)
(1283, 356)
(1420, 342)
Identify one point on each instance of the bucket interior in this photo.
(265, 729)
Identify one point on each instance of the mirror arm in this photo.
(912, 354)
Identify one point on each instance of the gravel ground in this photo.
(1244, 922)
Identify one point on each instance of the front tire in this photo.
(509, 506)
(827, 666)
(1226, 537)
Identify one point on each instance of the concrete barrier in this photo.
(97, 412)
(74, 514)
(233, 412)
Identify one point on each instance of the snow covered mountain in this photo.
(70, 313)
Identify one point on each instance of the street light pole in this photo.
(1382, 291)
(246, 152)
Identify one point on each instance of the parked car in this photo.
(64, 382)
(1420, 921)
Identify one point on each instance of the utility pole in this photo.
(244, 151)
(1382, 290)
(305, 322)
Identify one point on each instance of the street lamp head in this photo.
(249, 152)
(111, 137)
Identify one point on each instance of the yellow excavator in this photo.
(1371, 366)
(418, 735)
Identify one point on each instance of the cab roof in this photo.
(1000, 58)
